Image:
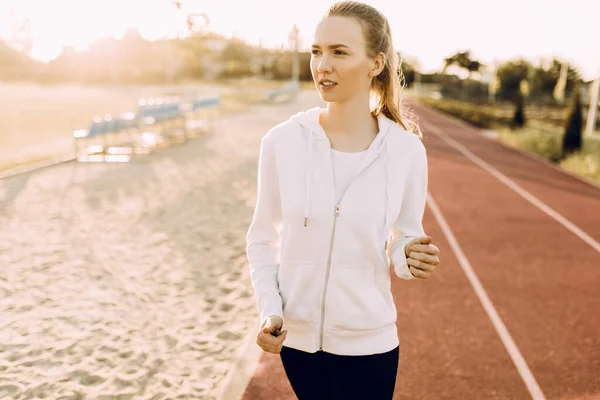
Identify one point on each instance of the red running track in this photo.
(541, 278)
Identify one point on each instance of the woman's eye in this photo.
(336, 52)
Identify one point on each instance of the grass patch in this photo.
(585, 162)
(542, 140)
(539, 136)
(481, 116)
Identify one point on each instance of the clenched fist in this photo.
(270, 337)
(422, 257)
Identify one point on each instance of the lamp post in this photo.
(190, 11)
(294, 39)
(561, 84)
(591, 119)
(417, 77)
(493, 81)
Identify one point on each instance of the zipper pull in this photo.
(337, 210)
(385, 246)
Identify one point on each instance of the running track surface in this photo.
(541, 278)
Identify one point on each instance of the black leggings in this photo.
(321, 375)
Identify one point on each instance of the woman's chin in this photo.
(326, 96)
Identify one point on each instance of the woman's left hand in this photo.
(422, 257)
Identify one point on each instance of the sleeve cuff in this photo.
(262, 320)
(399, 260)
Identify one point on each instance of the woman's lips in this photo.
(327, 87)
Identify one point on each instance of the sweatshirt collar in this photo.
(310, 119)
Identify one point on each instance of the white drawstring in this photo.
(308, 171)
(387, 186)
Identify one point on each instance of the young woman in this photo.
(341, 196)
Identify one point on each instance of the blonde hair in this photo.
(387, 86)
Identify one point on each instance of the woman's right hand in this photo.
(270, 337)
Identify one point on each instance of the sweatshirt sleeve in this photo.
(409, 223)
(263, 237)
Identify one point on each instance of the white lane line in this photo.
(507, 340)
(516, 188)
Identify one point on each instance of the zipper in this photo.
(327, 271)
(336, 214)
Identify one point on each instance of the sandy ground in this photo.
(130, 281)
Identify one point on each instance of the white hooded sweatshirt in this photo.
(323, 263)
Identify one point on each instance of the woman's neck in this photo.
(349, 129)
(351, 120)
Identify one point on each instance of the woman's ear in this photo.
(378, 65)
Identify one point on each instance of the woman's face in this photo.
(339, 55)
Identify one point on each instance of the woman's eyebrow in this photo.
(331, 46)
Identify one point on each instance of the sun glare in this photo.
(77, 24)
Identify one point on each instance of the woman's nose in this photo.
(324, 65)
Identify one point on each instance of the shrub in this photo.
(574, 126)
(519, 115)
(480, 116)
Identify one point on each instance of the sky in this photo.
(428, 30)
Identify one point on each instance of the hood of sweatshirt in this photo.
(309, 119)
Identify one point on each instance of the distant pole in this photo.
(294, 39)
(493, 82)
(169, 64)
(417, 83)
(561, 85)
(591, 120)
(189, 11)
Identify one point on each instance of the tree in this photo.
(15, 65)
(545, 77)
(574, 126)
(407, 71)
(21, 38)
(237, 58)
(510, 75)
(464, 61)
